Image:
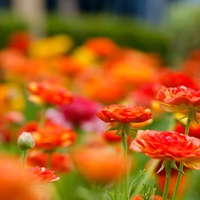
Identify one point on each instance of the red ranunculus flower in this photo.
(49, 92)
(168, 146)
(179, 98)
(124, 114)
(42, 174)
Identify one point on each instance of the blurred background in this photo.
(167, 27)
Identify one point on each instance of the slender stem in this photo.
(49, 159)
(190, 116)
(150, 170)
(167, 180)
(24, 157)
(125, 165)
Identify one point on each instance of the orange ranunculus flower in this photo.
(102, 46)
(43, 175)
(49, 92)
(179, 98)
(168, 146)
(99, 163)
(15, 182)
(139, 197)
(124, 114)
(52, 136)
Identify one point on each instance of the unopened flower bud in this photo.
(26, 141)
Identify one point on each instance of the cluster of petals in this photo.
(139, 197)
(41, 174)
(49, 92)
(124, 114)
(166, 145)
(179, 98)
(53, 136)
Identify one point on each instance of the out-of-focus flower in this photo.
(139, 197)
(84, 56)
(26, 141)
(15, 182)
(194, 129)
(11, 98)
(42, 175)
(69, 66)
(19, 41)
(179, 99)
(168, 146)
(109, 91)
(179, 78)
(100, 157)
(79, 110)
(124, 114)
(51, 46)
(173, 178)
(49, 92)
(102, 46)
(52, 136)
(14, 117)
(111, 136)
(60, 163)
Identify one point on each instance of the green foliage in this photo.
(181, 24)
(124, 31)
(9, 23)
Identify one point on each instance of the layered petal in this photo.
(168, 146)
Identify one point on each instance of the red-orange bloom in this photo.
(139, 197)
(41, 174)
(49, 92)
(53, 136)
(179, 98)
(168, 146)
(124, 114)
(61, 163)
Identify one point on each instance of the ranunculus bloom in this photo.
(15, 182)
(49, 92)
(124, 114)
(179, 98)
(99, 163)
(41, 174)
(60, 163)
(168, 146)
(139, 197)
(53, 136)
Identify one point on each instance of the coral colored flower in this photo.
(49, 92)
(15, 182)
(111, 136)
(124, 114)
(101, 46)
(61, 163)
(168, 146)
(179, 98)
(42, 174)
(100, 157)
(52, 136)
(139, 197)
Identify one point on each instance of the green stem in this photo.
(167, 180)
(190, 116)
(125, 165)
(24, 157)
(49, 159)
(150, 170)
